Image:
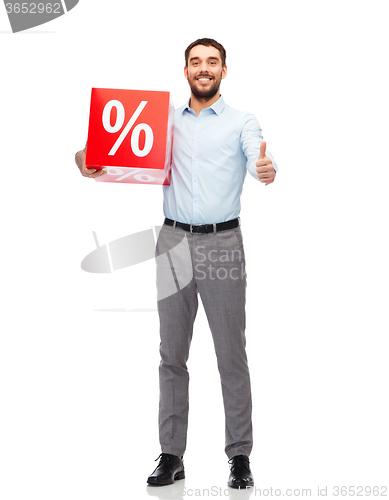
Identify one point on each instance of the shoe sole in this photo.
(240, 486)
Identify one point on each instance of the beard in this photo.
(209, 91)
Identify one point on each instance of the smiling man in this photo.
(213, 149)
(214, 146)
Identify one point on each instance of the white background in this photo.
(79, 387)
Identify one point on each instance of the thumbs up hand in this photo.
(264, 166)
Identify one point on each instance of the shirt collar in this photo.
(217, 107)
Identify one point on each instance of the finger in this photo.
(263, 172)
(94, 173)
(262, 150)
(98, 173)
(264, 168)
(266, 162)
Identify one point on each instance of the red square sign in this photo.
(131, 133)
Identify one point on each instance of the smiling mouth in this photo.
(204, 79)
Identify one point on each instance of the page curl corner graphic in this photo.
(25, 15)
(174, 267)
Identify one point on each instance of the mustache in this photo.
(204, 75)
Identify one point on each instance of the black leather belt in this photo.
(204, 228)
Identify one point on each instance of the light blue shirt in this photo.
(212, 153)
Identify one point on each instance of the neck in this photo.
(198, 103)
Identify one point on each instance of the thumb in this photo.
(262, 151)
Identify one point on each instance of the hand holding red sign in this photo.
(87, 172)
(130, 133)
(264, 166)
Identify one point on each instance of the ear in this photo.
(186, 72)
(224, 71)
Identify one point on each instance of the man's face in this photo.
(204, 71)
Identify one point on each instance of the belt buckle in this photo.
(191, 226)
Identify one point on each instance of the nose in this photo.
(203, 67)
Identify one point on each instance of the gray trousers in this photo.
(213, 266)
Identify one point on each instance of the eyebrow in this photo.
(208, 58)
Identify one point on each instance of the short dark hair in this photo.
(208, 42)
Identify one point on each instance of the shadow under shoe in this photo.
(240, 473)
(169, 469)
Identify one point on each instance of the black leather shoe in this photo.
(240, 474)
(169, 469)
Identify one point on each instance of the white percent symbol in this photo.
(142, 177)
(120, 116)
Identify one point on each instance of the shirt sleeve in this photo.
(250, 139)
